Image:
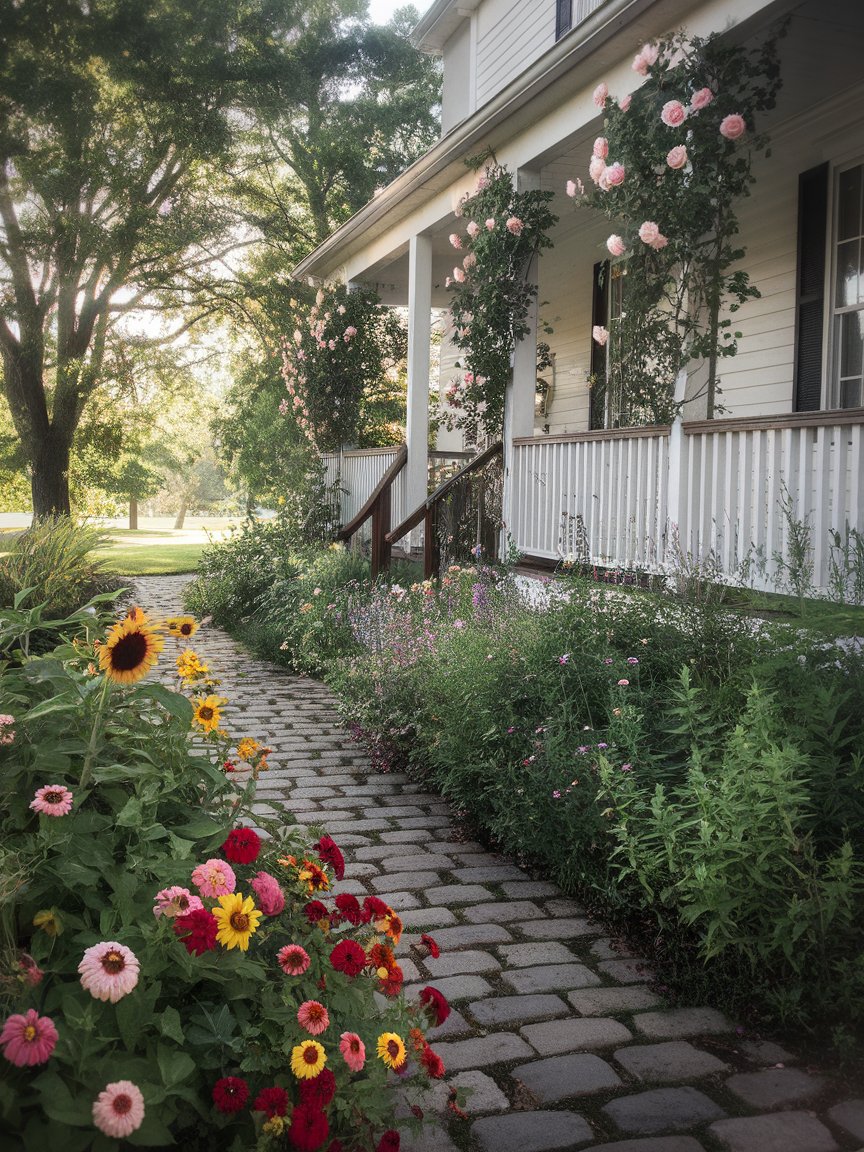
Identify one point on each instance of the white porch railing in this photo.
(357, 472)
(708, 492)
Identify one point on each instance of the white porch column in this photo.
(419, 342)
(676, 528)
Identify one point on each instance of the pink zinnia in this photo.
(109, 971)
(28, 1039)
(701, 99)
(214, 878)
(271, 898)
(293, 960)
(673, 113)
(52, 800)
(353, 1051)
(600, 95)
(515, 225)
(601, 147)
(119, 1109)
(733, 126)
(313, 1017)
(616, 245)
(175, 901)
(677, 157)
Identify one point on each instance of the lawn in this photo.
(151, 559)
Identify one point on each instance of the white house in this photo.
(518, 78)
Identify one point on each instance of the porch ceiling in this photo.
(389, 275)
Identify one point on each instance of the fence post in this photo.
(674, 476)
(431, 551)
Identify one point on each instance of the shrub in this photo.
(51, 564)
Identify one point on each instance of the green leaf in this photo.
(129, 815)
(151, 1134)
(170, 1024)
(174, 1066)
(172, 702)
(59, 1103)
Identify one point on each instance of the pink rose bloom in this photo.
(353, 1051)
(677, 157)
(175, 901)
(119, 1109)
(458, 275)
(733, 126)
(601, 95)
(571, 189)
(52, 800)
(640, 64)
(623, 683)
(596, 168)
(645, 59)
(473, 228)
(599, 335)
(624, 102)
(601, 147)
(271, 899)
(701, 99)
(575, 187)
(448, 281)
(331, 344)
(109, 971)
(455, 241)
(616, 245)
(614, 175)
(29, 1039)
(469, 261)
(515, 225)
(673, 113)
(214, 878)
(659, 242)
(648, 232)
(341, 309)
(490, 224)
(7, 731)
(313, 1017)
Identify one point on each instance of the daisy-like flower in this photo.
(109, 971)
(242, 846)
(29, 1039)
(183, 627)
(237, 918)
(206, 712)
(348, 957)
(131, 649)
(52, 800)
(314, 877)
(313, 1017)
(432, 1063)
(293, 960)
(273, 1101)
(214, 878)
(353, 1051)
(230, 1093)
(118, 1110)
(307, 1059)
(197, 929)
(391, 1049)
(175, 901)
(189, 667)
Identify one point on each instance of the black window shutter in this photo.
(563, 17)
(599, 318)
(810, 288)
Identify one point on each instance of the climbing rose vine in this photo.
(671, 164)
(499, 233)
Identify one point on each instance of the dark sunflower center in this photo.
(205, 712)
(239, 921)
(185, 629)
(122, 1104)
(310, 1055)
(129, 652)
(113, 963)
(393, 1048)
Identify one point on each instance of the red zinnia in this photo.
(273, 1101)
(242, 846)
(389, 1142)
(230, 1093)
(433, 1063)
(350, 908)
(330, 854)
(381, 956)
(319, 1091)
(314, 911)
(437, 1005)
(375, 907)
(309, 1128)
(391, 984)
(197, 930)
(334, 1146)
(348, 957)
(434, 950)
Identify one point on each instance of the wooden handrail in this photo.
(368, 508)
(419, 513)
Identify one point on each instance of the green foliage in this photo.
(677, 284)
(491, 293)
(52, 564)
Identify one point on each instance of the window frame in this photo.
(831, 397)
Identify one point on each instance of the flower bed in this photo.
(168, 974)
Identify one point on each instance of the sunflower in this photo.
(206, 713)
(189, 667)
(131, 649)
(237, 918)
(183, 627)
(307, 1059)
(391, 1049)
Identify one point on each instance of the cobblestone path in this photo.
(560, 1036)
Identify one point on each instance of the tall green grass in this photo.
(53, 563)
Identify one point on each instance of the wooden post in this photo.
(381, 549)
(431, 551)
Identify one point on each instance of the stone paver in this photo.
(545, 995)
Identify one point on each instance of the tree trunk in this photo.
(181, 514)
(50, 480)
(133, 514)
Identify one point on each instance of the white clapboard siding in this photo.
(511, 34)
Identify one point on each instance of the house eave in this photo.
(435, 28)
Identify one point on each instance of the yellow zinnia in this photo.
(206, 714)
(131, 649)
(307, 1059)
(391, 1049)
(237, 918)
(183, 627)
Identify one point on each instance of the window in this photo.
(610, 406)
(847, 344)
(563, 18)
